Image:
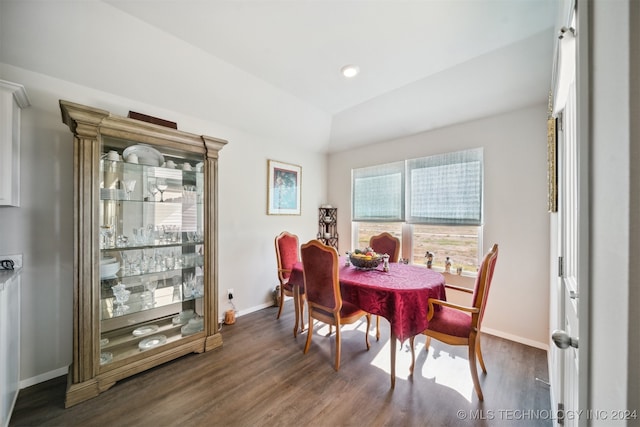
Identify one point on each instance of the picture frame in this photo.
(552, 158)
(284, 188)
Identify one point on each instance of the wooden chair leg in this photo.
(338, 342)
(301, 299)
(474, 368)
(377, 328)
(281, 302)
(366, 336)
(296, 298)
(427, 343)
(479, 353)
(413, 354)
(309, 334)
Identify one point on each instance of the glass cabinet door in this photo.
(151, 221)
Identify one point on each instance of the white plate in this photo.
(151, 342)
(144, 330)
(183, 317)
(109, 270)
(195, 324)
(146, 155)
(105, 357)
(186, 330)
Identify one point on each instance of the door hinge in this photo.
(560, 266)
(560, 121)
(560, 414)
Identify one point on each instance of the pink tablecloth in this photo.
(399, 295)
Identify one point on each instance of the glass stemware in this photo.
(121, 295)
(106, 231)
(121, 298)
(153, 190)
(129, 185)
(161, 185)
(126, 264)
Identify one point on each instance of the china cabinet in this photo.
(328, 226)
(145, 276)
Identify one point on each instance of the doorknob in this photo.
(562, 340)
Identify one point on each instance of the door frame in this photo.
(557, 297)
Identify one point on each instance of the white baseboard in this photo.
(43, 377)
(511, 337)
(248, 310)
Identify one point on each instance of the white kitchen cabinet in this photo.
(13, 98)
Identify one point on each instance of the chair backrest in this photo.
(385, 243)
(321, 284)
(483, 281)
(286, 254)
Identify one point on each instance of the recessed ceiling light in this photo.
(350, 71)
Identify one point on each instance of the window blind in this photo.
(446, 189)
(378, 192)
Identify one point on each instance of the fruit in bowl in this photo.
(366, 259)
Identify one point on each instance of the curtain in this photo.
(378, 193)
(445, 189)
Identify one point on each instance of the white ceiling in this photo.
(424, 64)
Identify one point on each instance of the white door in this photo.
(567, 338)
(573, 238)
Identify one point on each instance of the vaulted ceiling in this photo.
(424, 63)
(272, 67)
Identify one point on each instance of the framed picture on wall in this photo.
(284, 186)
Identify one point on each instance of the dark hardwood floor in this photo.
(260, 377)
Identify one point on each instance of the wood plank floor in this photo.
(260, 377)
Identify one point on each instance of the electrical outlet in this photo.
(230, 293)
(17, 260)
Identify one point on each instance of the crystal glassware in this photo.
(153, 190)
(121, 297)
(106, 231)
(161, 185)
(129, 185)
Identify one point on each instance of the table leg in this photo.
(393, 359)
(296, 304)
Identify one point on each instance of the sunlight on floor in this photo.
(440, 366)
(445, 369)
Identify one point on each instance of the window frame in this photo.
(471, 155)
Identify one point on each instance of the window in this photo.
(445, 189)
(460, 243)
(368, 229)
(378, 193)
(432, 204)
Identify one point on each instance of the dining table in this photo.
(400, 295)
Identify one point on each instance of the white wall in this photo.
(613, 334)
(42, 228)
(515, 209)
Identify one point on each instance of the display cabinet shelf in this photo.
(145, 245)
(328, 226)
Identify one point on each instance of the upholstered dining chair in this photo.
(287, 255)
(460, 325)
(385, 243)
(322, 289)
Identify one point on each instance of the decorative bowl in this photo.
(109, 270)
(365, 262)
